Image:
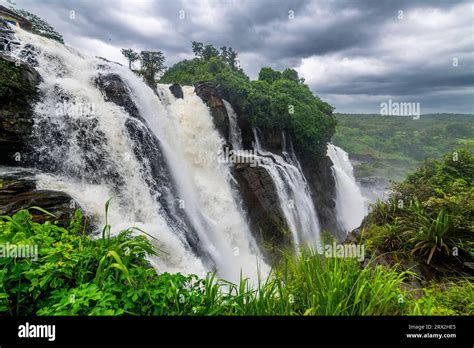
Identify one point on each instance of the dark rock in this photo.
(18, 92)
(114, 90)
(272, 140)
(177, 91)
(260, 200)
(209, 93)
(319, 175)
(18, 191)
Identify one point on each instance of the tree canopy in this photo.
(131, 56)
(278, 99)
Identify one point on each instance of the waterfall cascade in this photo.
(351, 206)
(90, 148)
(157, 157)
(293, 191)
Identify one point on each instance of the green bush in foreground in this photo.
(430, 216)
(76, 275)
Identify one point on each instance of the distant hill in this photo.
(389, 146)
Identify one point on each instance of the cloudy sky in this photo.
(354, 54)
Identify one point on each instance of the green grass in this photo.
(429, 216)
(75, 275)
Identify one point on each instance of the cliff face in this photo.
(18, 188)
(255, 185)
(318, 173)
(256, 188)
(17, 94)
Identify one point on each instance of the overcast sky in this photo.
(354, 54)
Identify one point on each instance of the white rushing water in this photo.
(92, 156)
(235, 133)
(158, 158)
(351, 206)
(293, 192)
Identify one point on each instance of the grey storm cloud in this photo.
(353, 53)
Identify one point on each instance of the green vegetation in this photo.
(151, 64)
(278, 100)
(131, 56)
(430, 215)
(75, 275)
(392, 146)
(15, 89)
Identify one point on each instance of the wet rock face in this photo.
(255, 185)
(18, 191)
(272, 140)
(18, 92)
(209, 93)
(260, 200)
(177, 91)
(115, 91)
(323, 188)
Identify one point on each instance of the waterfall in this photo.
(350, 204)
(159, 167)
(293, 192)
(235, 133)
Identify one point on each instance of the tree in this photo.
(209, 52)
(197, 48)
(229, 56)
(269, 75)
(152, 65)
(131, 56)
(291, 74)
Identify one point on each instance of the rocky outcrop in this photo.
(261, 204)
(210, 94)
(255, 185)
(18, 91)
(18, 191)
(177, 91)
(115, 91)
(319, 175)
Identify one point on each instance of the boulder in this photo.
(18, 92)
(18, 191)
(261, 204)
(209, 93)
(177, 91)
